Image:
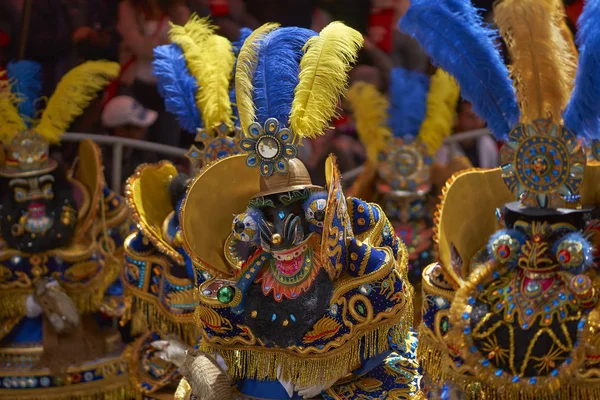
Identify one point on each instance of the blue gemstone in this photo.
(555, 172)
(529, 311)
(480, 287)
(525, 326)
(516, 379)
(509, 298)
(555, 303)
(292, 317)
(508, 290)
(511, 306)
(467, 330)
(273, 317)
(496, 274)
(466, 315)
(554, 373)
(499, 306)
(581, 324)
(485, 363)
(547, 308)
(568, 360)
(562, 314)
(281, 215)
(561, 296)
(498, 372)
(471, 301)
(473, 349)
(571, 297)
(533, 381)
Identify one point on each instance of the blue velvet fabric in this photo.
(29, 330)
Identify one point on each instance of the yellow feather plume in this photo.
(565, 43)
(244, 73)
(540, 72)
(73, 94)
(10, 121)
(442, 99)
(196, 28)
(210, 60)
(370, 113)
(323, 78)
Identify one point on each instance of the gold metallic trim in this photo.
(154, 235)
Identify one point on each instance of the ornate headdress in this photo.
(529, 281)
(195, 77)
(26, 133)
(421, 113)
(288, 83)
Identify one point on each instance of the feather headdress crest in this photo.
(195, 76)
(210, 59)
(26, 139)
(288, 84)
(542, 67)
(421, 109)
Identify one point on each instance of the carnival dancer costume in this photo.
(401, 136)
(511, 309)
(195, 77)
(61, 236)
(308, 294)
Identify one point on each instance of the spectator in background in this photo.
(48, 38)
(286, 12)
(228, 15)
(94, 29)
(143, 25)
(124, 117)
(482, 151)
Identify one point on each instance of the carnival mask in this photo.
(38, 212)
(293, 289)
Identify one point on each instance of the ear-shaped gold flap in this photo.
(466, 217)
(148, 198)
(337, 227)
(89, 172)
(218, 192)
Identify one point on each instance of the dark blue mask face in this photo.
(283, 226)
(38, 213)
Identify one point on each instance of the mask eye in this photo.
(573, 251)
(48, 192)
(505, 244)
(245, 226)
(314, 210)
(20, 195)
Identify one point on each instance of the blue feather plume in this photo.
(582, 114)
(24, 77)
(276, 75)
(453, 35)
(237, 45)
(408, 102)
(177, 86)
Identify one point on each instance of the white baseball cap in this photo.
(125, 110)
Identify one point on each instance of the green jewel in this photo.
(360, 307)
(445, 325)
(225, 294)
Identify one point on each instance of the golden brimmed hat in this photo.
(25, 138)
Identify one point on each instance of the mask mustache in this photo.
(291, 235)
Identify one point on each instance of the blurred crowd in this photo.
(60, 34)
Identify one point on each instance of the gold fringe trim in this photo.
(311, 370)
(157, 320)
(117, 388)
(419, 396)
